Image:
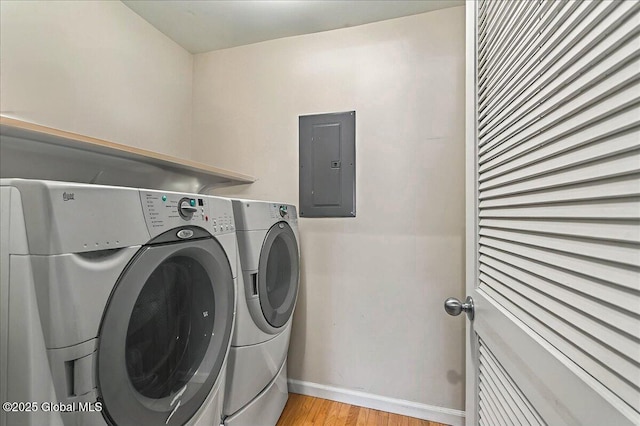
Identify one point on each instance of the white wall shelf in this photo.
(33, 151)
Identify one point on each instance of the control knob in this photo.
(186, 209)
(283, 211)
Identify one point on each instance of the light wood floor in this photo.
(307, 410)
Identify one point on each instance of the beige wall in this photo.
(369, 314)
(96, 68)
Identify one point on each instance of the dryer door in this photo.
(165, 333)
(278, 275)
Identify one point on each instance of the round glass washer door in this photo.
(278, 275)
(165, 333)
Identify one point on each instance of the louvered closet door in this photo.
(553, 160)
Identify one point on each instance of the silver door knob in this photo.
(454, 307)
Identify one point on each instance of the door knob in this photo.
(454, 307)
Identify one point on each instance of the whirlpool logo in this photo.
(66, 196)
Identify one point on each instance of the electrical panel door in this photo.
(328, 165)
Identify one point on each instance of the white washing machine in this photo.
(116, 304)
(256, 388)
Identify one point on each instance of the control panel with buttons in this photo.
(167, 210)
(283, 211)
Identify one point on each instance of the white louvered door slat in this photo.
(558, 161)
(614, 73)
(607, 272)
(493, 72)
(553, 242)
(622, 209)
(583, 53)
(511, 411)
(497, 409)
(554, 330)
(599, 230)
(603, 291)
(520, 24)
(605, 334)
(499, 400)
(495, 92)
(619, 330)
(626, 254)
(569, 116)
(506, 26)
(519, 413)
(556, 43)
(524, 412)
(618, 187)
(543, 146)
(606, 167)
(586, 71)
(516, 27)
(542, 19)
(486, 414)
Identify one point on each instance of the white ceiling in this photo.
(201, 26)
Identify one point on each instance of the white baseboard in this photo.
(377, 402)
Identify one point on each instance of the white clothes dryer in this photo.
(256, 388)
(116, 304)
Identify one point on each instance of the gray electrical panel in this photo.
(328, 165)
